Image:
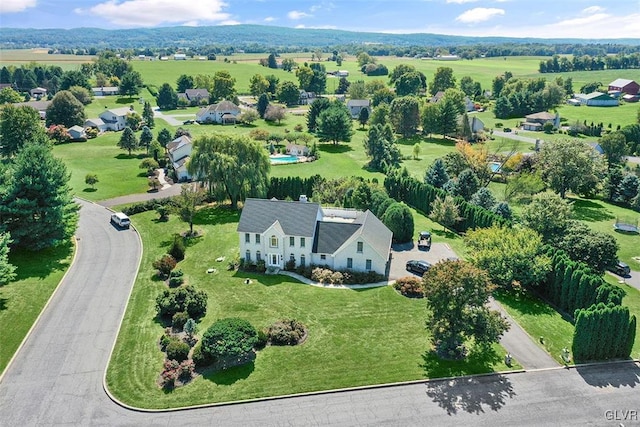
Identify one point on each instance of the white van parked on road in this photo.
(121, 220)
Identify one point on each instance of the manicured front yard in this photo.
(355, 337)
(22, 300)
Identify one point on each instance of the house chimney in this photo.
(303, 198)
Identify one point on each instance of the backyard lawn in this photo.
(355, 337)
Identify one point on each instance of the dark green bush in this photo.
(177, 350)
(263, 339)
(164, 341)
(179, 319)
(185, 298)
(149, 205)
(177, 248)
(230, 337)
(200, 358)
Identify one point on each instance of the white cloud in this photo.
(150, 13)
(461, 1)
(593, 9)
(269, 19)
(296, 14)
(479, 14)
(12, 6)
(300, 26)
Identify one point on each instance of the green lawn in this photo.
(22, 300)
(539, 320)
(118, 173)
(355, 337)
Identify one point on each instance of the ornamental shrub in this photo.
(179, 319)
(409, 287)
(164, 265)
(200, 358)
(229, 338)
(184, 298)
(177, 350)
(286, 332)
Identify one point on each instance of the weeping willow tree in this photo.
(230, 166)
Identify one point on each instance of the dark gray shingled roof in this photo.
(375, 232)
(295, 218)
(331, 235)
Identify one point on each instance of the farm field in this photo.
(355, 338)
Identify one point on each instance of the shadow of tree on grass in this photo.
(586, 210)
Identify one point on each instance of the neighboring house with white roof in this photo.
(105, 90)
(279, 231)
(224, 112)
(356, 105)
(179, 151)
(76, 132)
(116, 118)
(38, 92)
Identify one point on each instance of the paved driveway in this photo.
(400, 254)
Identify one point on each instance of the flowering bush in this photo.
(409, 287)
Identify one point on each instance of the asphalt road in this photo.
(57, 376)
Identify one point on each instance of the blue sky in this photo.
(512, 18)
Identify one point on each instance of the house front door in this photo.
(274, 260)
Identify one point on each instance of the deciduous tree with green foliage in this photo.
(191, 196)
(547, 214)
(405, 115)
(231, 166)
(614, 146)
(288, 93)
(36, 205)
(258, 85)
(223, 86)
(65, 110)
(128, 140)
(445, 211)
(18, 125)
(130, 83)
(91, 179)
(443, 79)
(334, 123)
(596, 249)
(512, 257)
(9, 96)
(457, 294)
(357, 90)
(570, 165)
(184, 82)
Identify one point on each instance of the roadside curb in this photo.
(76, 249)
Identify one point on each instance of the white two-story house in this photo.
(224, 112)
(115, 119)
(278, 231)
(179, 151)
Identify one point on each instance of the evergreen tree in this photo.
(483, 198)
(437, 174)
(7, 271)
(167, 98)
(363, 116)
(381, 148)
(271, 61)
(36, 206)
(343, 86)
(628, 188)
(468, 184)
(184, 82)
(502, 209)
(334, 123)
(147, 115)
(263, 103)
(145, 138)
(447, 117)
(318, 106)
(128, 140)
(164, 137)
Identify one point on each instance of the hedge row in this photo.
(291, 187)
(603, 332)
(420, 196)
(572, 285)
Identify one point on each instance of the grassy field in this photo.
(17, 57)
(22, 300)
(118, 173)
(355, 337)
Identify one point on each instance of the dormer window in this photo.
(273, 242)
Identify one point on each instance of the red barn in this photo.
(625, 86)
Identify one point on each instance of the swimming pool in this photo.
(495, 167)
(284, 159)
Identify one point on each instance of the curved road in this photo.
(56, 377)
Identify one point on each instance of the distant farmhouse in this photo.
(537, 121)
(597, 99)
(114, 119)
(277, 231)
(625, 86)
(195, 96)
(105, 90)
